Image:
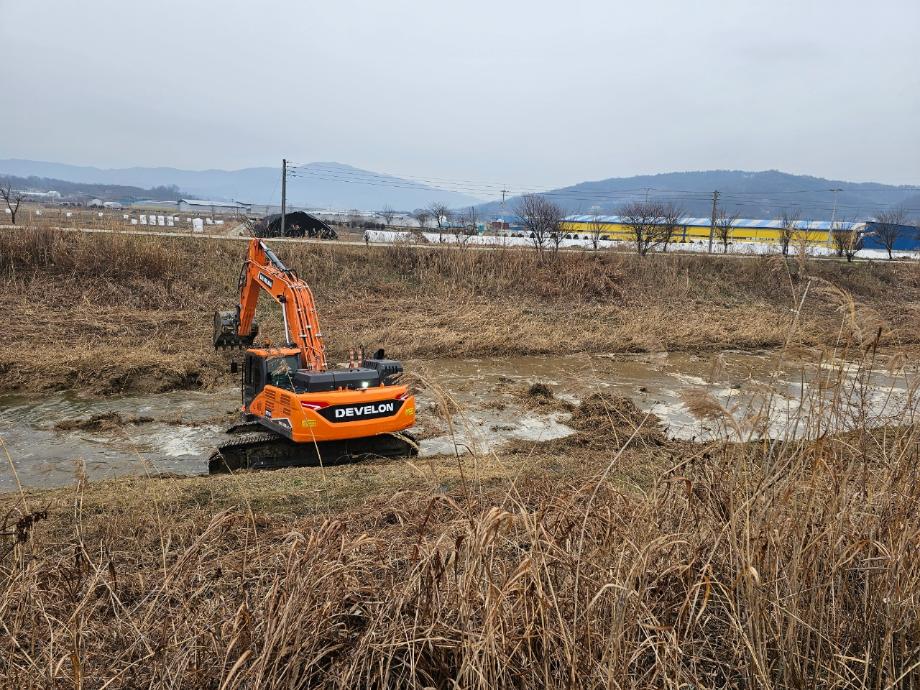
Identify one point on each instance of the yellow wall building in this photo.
(697, 229)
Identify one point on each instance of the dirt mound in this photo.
(540, 390)
(540, 397)
(105, 421)
(605, 414)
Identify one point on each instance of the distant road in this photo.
(188, 235)
(358, 243)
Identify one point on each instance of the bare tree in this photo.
(847, 240)
(725, 223)
(541, 218)
(12, 199)
(464, 225)
(802, 240)
(441, 214)
(788, 224)
(555, 237)
(888, 227)
(387, 213)
(670, 222)
(596, 229)
(650, 223)
(421, 216)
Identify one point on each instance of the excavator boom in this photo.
(265, 271)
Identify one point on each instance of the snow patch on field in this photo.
(749, 248)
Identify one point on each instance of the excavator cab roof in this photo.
(273, 351)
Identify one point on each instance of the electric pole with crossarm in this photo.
(283, 192)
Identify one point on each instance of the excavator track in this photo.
(268, 450)
(243, 427)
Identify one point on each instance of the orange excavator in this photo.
(296, 410)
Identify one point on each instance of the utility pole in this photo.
(283, 192)
(830, 234)
(712, 222)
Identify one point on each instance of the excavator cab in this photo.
(276, 367)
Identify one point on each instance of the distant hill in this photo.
(321, 185)
(752, 194)
(84, 191)
(336, 186)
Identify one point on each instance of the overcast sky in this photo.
(523, 93)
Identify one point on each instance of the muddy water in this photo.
(487, 404)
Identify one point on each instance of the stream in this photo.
(488, 402)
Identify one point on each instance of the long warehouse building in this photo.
(746, 230)
(697, 229)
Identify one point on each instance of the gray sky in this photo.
(523, 93)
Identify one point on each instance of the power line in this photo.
(465, 185)
(398, 183)
(470, 184)
(368, 173)
(577, 195)
(737, 199)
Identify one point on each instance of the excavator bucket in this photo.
(226, 332)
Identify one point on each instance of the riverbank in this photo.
(99, 314)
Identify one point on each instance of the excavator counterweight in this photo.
(297, 411)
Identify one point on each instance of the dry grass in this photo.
(105, 313)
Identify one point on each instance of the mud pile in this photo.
(104, 421)
(540, 390)
(600, 416)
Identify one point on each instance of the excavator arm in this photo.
(263, 270)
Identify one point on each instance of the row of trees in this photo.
(457, 222)
(654, 224)
(651, 224)
(888, 228)
(445, 219)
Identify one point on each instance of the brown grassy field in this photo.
(104, 313)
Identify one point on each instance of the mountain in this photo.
(334, 185)
(84, 191)
(751, 194)
(316, 185)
